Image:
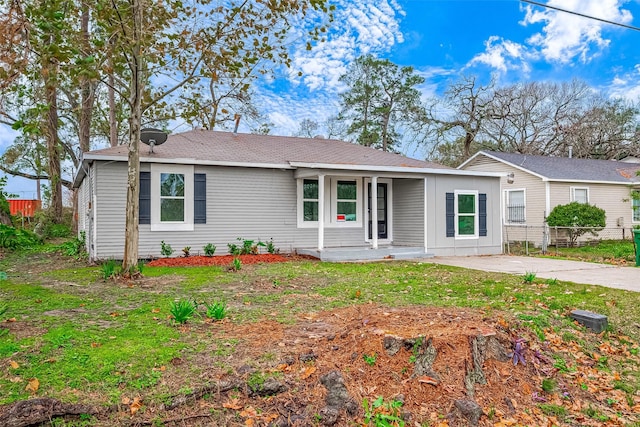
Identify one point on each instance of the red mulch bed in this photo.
(200, 260)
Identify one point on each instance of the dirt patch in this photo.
(430, 371)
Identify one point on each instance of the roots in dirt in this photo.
(338, 399)
(35, 411)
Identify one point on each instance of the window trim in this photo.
(156, 223)
(476, 214)
(506, 206)
(634, 209)
(333, 220)
(330, 203)
(573, 193)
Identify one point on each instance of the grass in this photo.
(82, 337)
(606, 251)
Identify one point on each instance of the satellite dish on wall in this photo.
(152, 137)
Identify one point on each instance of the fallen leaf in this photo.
(95, 344)
(13, 319)
(16, 380)
(425, 379)
(307, 372)
(14, 364)
(249, 412)
(155, 310)
(125, 400)
(135, 405)
(114, 314)
(33, 385)
(232, 404)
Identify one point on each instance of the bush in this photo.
(578, 218)
(14, 238)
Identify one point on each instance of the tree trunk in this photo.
(53, 143)
(130, 258)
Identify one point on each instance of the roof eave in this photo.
(396, 169)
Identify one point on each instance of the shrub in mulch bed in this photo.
(220, 260)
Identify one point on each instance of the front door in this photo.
(383, 198)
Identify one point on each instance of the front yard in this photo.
(310, 343)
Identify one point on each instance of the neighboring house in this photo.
(534, 185)
(308, 195)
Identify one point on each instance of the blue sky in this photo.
(444, 39)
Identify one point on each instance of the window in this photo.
(342, 202)
(310, 200)
(466, 218)
(172, 198)
(172, 187)
(580, 194)
(466, 214)
(635, 206)
(515, 206)
(346, 201)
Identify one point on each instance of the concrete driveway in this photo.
(572, 271)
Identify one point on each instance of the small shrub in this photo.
(109, 269)
(370, 359)
(580, 218)
(209, 249)
(182, 310)
(233, 249)
(75, 247)
(186, 251)
(236, 265)
(382, 414)
(549, 385)
(14, 238)
(271, 248)
(217, 310)
(529, 277)
(165, 249)
(141, 265)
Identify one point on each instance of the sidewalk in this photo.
(588, 273)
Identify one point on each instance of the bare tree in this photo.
(460, 114)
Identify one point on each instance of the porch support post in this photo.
(374, 212)
(426, 217)
(320, 212)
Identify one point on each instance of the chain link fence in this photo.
(528, 239)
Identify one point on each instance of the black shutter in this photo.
(482, 214)
(144, 213)
(199, 198)
(450, 215)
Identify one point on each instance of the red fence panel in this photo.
(23, 207)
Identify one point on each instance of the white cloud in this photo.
(359, 27)
(626, 86)
(503, 55)
(565, 37)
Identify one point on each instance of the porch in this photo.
(365, 253)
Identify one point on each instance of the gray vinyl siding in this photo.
(437, 242)
(408, 212)
(109, 212)
(248, 203)
(535, 199)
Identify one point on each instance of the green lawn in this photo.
(90, 340)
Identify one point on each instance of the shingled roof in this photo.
(205, 146)
(569, 169)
